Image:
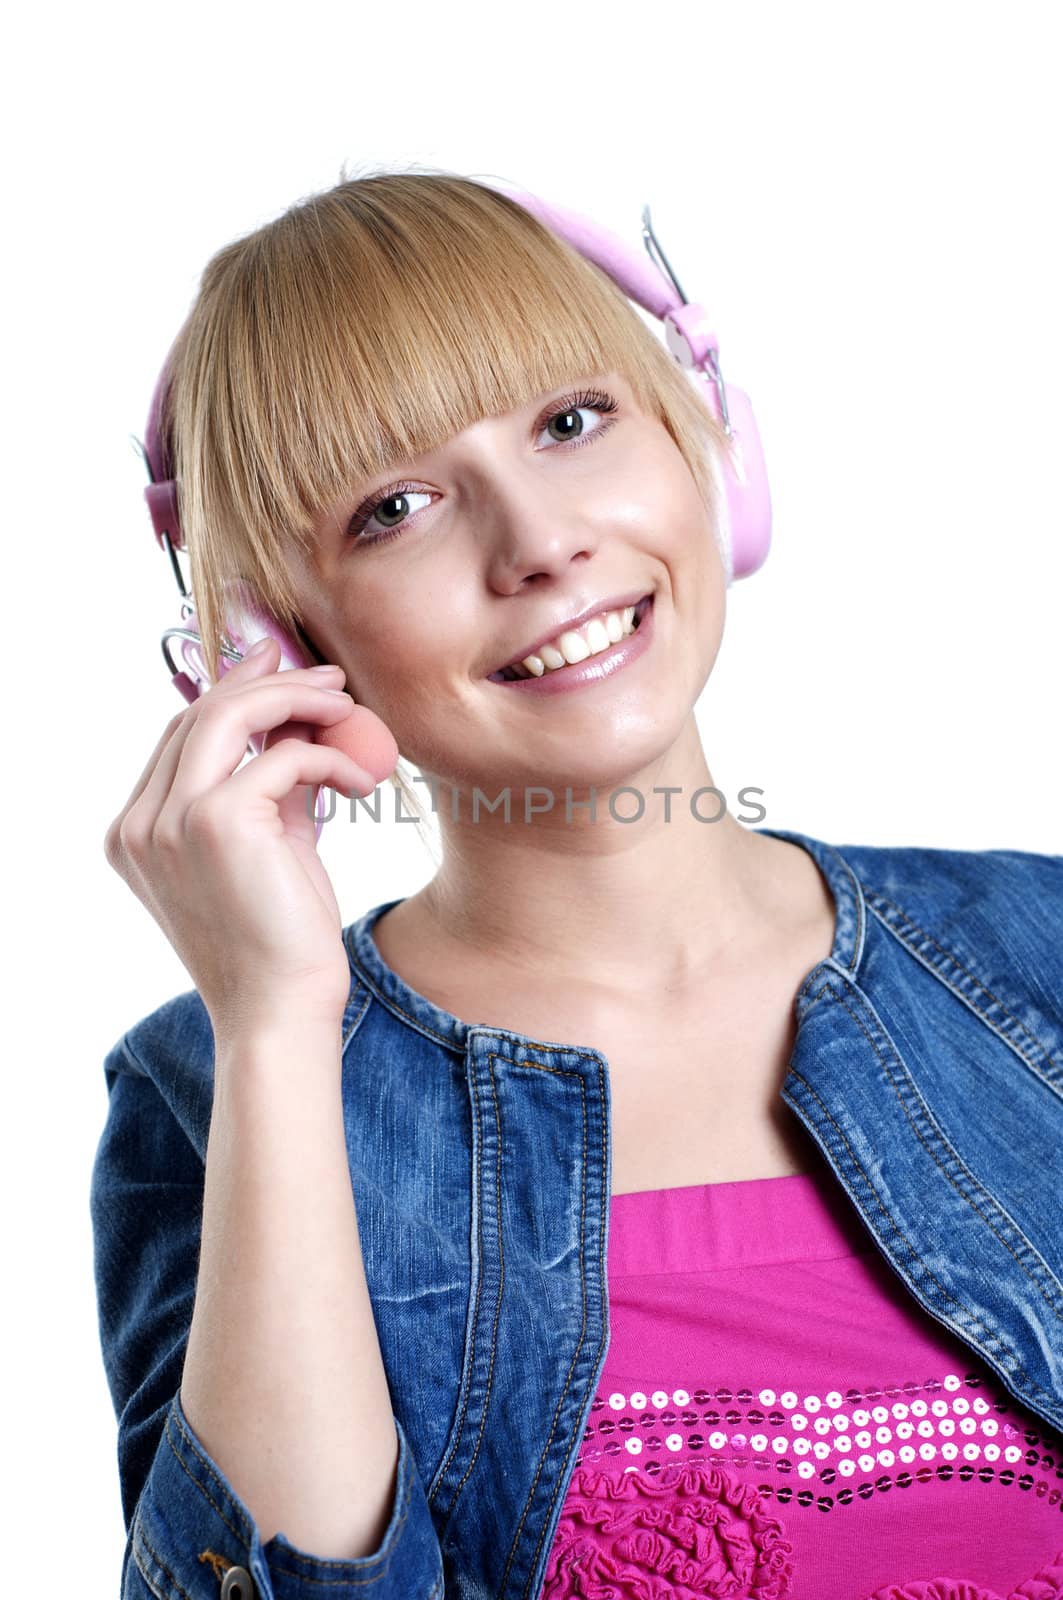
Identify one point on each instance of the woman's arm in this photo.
(283, 1375)
(283, 1378)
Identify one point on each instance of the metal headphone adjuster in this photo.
(660, 261)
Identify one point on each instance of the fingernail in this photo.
(257, 649)
(326, 667)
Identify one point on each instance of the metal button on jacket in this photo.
(237, 1585)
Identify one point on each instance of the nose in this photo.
(532, 532)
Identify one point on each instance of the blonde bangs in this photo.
(367, 325)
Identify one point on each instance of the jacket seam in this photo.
(475, 1327)
(909, 923)
(405, 1486)
(405, 1500)
(991, 1338)
(358, 1004)
(498, 1302)
(140, 1540)
(566, 1073)
(857, 953)
(243, 1533)
(960, 1164)
(400, 1011)
(572, 1439)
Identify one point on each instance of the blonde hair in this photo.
(366, 325)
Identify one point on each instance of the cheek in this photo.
(407, 662)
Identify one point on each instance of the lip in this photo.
(595, 669)
(617, 603)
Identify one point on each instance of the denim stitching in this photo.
(560, 1072)
(860, 934)
(991, 1338)
(405, 1488)
(177, 1588)
(242, 1534)
(394, 1005)
(989, 1222)
(601, 1279)
(460, 1426)
(858, 941)
(955, 962)
(406, 1500)
(498, 1303)
(359, 989)
(914, 1253)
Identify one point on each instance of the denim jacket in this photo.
(927, 1067)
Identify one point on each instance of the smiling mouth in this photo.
(583, 649)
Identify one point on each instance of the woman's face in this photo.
(424, 583)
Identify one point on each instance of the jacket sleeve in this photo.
(185, 1525)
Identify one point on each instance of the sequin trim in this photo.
(828, 1436)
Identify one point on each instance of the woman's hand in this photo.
(226, 861)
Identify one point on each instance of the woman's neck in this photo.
(661, 900)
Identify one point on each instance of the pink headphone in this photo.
(745, 502)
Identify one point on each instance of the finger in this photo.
(181, 722)
(217, 739)
(149, 766)
(297, 808)
(157, 778)
(265, 653)
(291, 766)
(361, 735)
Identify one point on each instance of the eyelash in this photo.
(587, 399)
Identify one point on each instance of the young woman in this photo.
(651, 1205)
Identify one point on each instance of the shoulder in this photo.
(945, 883)
(176, 1035)
(160, 1077)
(988, 920)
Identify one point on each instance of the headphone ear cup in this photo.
(746, 489)
(247, 621)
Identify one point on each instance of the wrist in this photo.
(287, 1044)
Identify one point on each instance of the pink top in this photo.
(778, 1417)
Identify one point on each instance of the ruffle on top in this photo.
(692, 1533)
(1046, 1584)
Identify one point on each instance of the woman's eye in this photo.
(572, 425)
(388, 514)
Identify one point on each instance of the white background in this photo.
(867, 200)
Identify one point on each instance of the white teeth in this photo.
(600, 633)
(574, 647)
